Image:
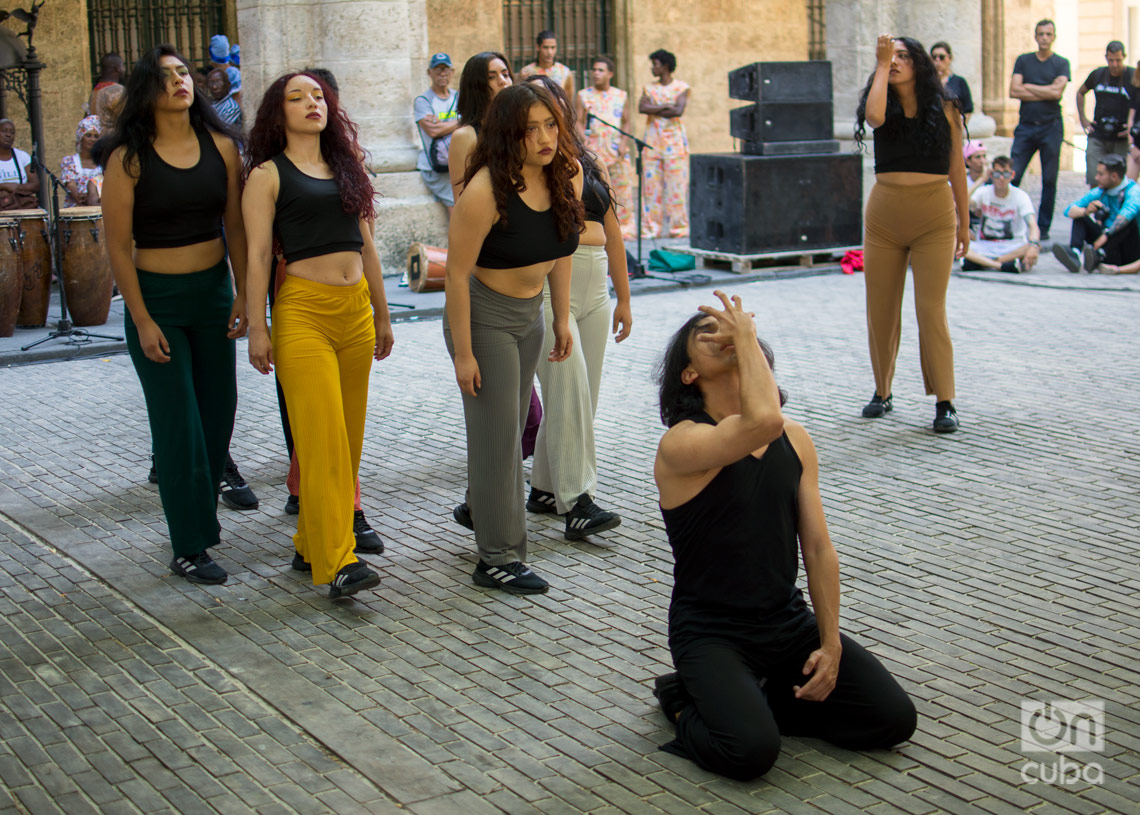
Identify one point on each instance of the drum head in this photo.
(21, 214)
(81, 213)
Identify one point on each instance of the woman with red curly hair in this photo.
(307, 188)
(515, 226)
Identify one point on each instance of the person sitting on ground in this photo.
(1104, 221)
(738, 486)
(76, 170)
(977, 175)
(1008, 238)
(218, 87)
(19, 183)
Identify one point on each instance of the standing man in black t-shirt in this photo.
(1108, 131)
(1039, 80)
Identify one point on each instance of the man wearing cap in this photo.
(435, 112)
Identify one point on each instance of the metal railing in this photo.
(132, 27)
(817, 29)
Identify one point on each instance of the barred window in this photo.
(583, 28)
(817, 29)
(132, 27)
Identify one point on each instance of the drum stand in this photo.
(65, 328)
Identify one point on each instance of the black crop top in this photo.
(595, 197)
(527, 237)
(310, 219)
(179, 206)
(899, 148)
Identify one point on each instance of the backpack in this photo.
(437, 150)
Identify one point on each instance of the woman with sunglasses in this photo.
(954, 85)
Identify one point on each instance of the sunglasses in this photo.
(1002, 174)
(940, 57)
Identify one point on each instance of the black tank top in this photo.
(595, 198)
(310, 219)
(527, 237)
(179, 206)
(899, 148)
(736, 549)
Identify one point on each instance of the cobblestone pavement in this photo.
(987, 568)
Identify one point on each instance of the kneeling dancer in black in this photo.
(738, 484)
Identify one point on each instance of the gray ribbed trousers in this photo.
(506, 338)
(564, 459)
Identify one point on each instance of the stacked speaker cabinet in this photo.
(789, 188)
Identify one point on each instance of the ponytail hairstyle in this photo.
(340, 145)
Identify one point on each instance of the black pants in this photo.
(733, 726)
(1123, 246)
(1043, 138)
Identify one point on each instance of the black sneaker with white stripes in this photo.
(352, 578)
(236, 494)
(587, 518)
(541, 501)
(199, 568)
(515, 578)
(368, 542)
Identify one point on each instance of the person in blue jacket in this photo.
(1104, 221)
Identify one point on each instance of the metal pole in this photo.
(33, 66)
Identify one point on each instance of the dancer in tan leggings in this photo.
(913, 216)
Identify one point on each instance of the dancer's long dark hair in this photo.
(474, 89)
(933, 128)
(501, 150)
(589, 161)
(134, 128)
(679, 401)
(340, 146)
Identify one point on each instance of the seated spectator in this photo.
(1008, 237)
(436, 114)
(1104, 221)
(111, 72)
(977, 175)
(80, 167)
(19, 183)
(955, 85)
(218, 87)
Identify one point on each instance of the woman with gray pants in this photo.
(515, 226)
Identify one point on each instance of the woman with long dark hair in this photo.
(172, 180)
(564, 478)
(307, 187)
(913, 216)
(484, 75)
(515, 226)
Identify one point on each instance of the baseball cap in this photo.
(973, 147)
(440, 59)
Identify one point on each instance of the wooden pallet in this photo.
(742, 264)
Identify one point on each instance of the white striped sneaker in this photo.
(514, 577)
(587, 518)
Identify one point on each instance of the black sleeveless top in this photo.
(527, 237)
(310, 219)
(179, 206)
(736, 551)
(595, 198)
(899, 149)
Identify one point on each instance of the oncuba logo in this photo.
(1062, 727)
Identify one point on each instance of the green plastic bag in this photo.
(662, 260)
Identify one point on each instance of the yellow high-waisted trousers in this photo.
(323, 343)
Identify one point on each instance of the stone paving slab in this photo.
(986, 568)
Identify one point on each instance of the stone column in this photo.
(995, 72)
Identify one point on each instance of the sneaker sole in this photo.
(200, 580)
(365, 549)
(292, 509)
(1066, 259)
(370, 582)
(578, 534)
(953, 429)
(480, 579)
(232, 504)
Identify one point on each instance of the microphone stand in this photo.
(65, 328)
(639, 269)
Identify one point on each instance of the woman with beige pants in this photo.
(913, 215)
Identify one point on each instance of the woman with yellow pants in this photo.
(307, 187)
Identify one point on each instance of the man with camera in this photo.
(1112, 89)
(1104, 222)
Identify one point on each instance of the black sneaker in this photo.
(236, 494)
(299, 564)
(1068, 257)
(293, 505)
(199, 568)
(970, 266)
(152, 476)
(462, 516)
(945, 418)
(541, 501)
(1091, 258)
(878, 406)
(352, 578)
(587, 518)
(367, 541)
(515, 578)
(671, 695)
(1010, 267)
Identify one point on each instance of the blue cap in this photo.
(220, 48)
(235, 55)
(439, 59)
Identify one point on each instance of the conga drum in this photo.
(35, 266)
(11, 278)
(427, 267)
(87, 280)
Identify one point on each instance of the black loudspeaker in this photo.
(788, 148)
(748, 205)
(782, 82)
(782, 121)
